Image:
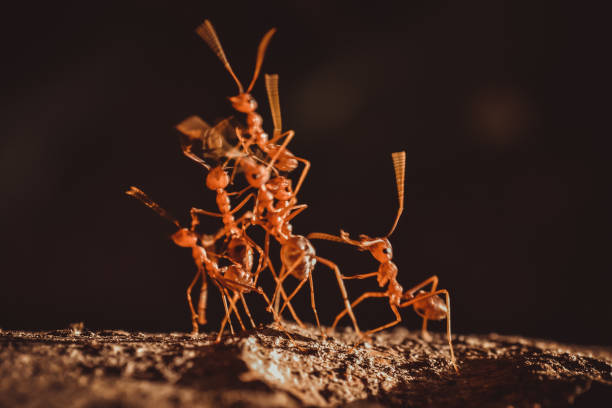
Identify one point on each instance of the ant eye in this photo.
(387, 251)
(256, 175)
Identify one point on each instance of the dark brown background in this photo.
(499, 105)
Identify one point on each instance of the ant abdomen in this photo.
(241, 253)
(298, 256)
(286, 161)
(237, 274)
(433, 307)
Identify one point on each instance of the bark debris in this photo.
(263, 368)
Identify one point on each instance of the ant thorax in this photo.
(387, 272)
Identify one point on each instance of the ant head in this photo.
(281, 188)
(244, 102)
(217, 178)
(381, 250)
(256, 174)
(185, 238)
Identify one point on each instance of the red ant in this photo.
(297, 253)
(185, 238)
(233, 277)
(428, 305)
(245, 103)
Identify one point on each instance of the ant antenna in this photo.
(399, 165)
(273, 98)
(208, 34)
(261, 51)
(140, 195)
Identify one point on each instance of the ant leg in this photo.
(284, 295)
(239, 206)
(194, 316)
(360, 276)
(280, 323)
(234, 308)
(314, 308)
(398, 319)
(355, 303)
(287, 273)
(195, 221)
(279, 283)
(204, 212)
(203, 300)
(295, 291)
(339, 276)
(225, 320)
(434, 284)
(246, 309)
(410, 293)
(228, 315)
(324, 236)
(298, 209)
(267, 251)
(448, 317)
(289, 133)
(302, 176)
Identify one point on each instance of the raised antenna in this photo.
(261, 51)
(208, 34)
(273, 98)
(140, 195)
(399, 165)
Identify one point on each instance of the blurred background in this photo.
(498, 104)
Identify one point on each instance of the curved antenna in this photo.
(272, 88)
(399, 165)
(140, 195)
(261, 51)
(208, 34)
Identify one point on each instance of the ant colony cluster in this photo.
(267, 164)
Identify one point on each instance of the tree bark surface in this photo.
(263, 368)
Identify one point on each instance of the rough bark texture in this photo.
(262, 368)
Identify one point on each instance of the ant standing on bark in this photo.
(428, 305)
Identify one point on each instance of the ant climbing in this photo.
(227, 278)
(428, 305)
(245, 103)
